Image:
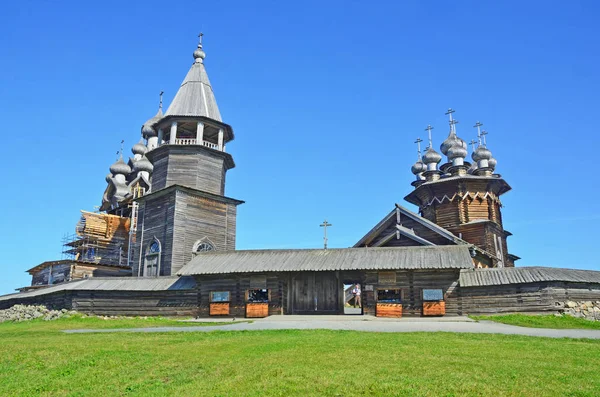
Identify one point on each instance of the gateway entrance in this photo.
(315, 293)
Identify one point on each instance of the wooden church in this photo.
(177, 233)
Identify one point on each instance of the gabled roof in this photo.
(391, 218)
(524, 275)
(387, 258)
(195, 96)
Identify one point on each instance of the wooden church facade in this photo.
(176, 239)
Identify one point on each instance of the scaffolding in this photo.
(99, 238)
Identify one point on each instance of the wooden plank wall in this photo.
(156, 215)
(192, 166)
(136, 303)
(237, 285)
(523, 298)
(411, 282)
(197, 218)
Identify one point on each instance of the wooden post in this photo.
(199, 133)
(221, 139)
(173, 133)
(160, 136)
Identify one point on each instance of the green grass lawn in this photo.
(37, 359)
(543, 321)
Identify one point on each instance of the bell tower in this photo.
(186, 211)
(464, 197)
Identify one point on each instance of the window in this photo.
(154, 247)
(433, 295)
(219, 296)
(389, 296)
(152, 259)
(203, 247)
(258, 295)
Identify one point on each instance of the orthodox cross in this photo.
(478, 126)
(160, 103)
(324, 226)
(473, 142)
(200, 39)
(483, 134)
(120, 152)
(452, 121)
(418, 142)
(428, 129)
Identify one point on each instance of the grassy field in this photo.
(37, 359)
(547, 321)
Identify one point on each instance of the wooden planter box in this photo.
(389, 310)
(219, 309)
(434, 308)
(254, 310)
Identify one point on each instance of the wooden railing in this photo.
(185, 141)
(192, 141)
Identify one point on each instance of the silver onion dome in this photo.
(199, 54)
(481, 153)
(418, 167)
(119, 167)
(448, 143)
(492, 162)
(431, 156)
(456, 151)
(143, 164)
(148, 127)
(108, 178)
(139, 148)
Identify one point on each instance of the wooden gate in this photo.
(315, 293)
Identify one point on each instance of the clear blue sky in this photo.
(326, 99)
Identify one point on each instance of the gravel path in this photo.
(369, 324)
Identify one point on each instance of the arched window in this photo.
(155, 247)
(203, 245)
(152, 259)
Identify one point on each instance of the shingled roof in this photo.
(524, 275)
(112, 284)
(433, 257)
(195, 96)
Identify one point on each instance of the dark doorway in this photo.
(353, 298)
(315, 293)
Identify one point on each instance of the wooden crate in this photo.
(434, 308)
(219, 309)
(389, 310)
(254, 310)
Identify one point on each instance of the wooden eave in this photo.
(494, 184)
(192, 191)
(167, 120)
(165, 147)
(46, 264)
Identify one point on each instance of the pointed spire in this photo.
(195, 97)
